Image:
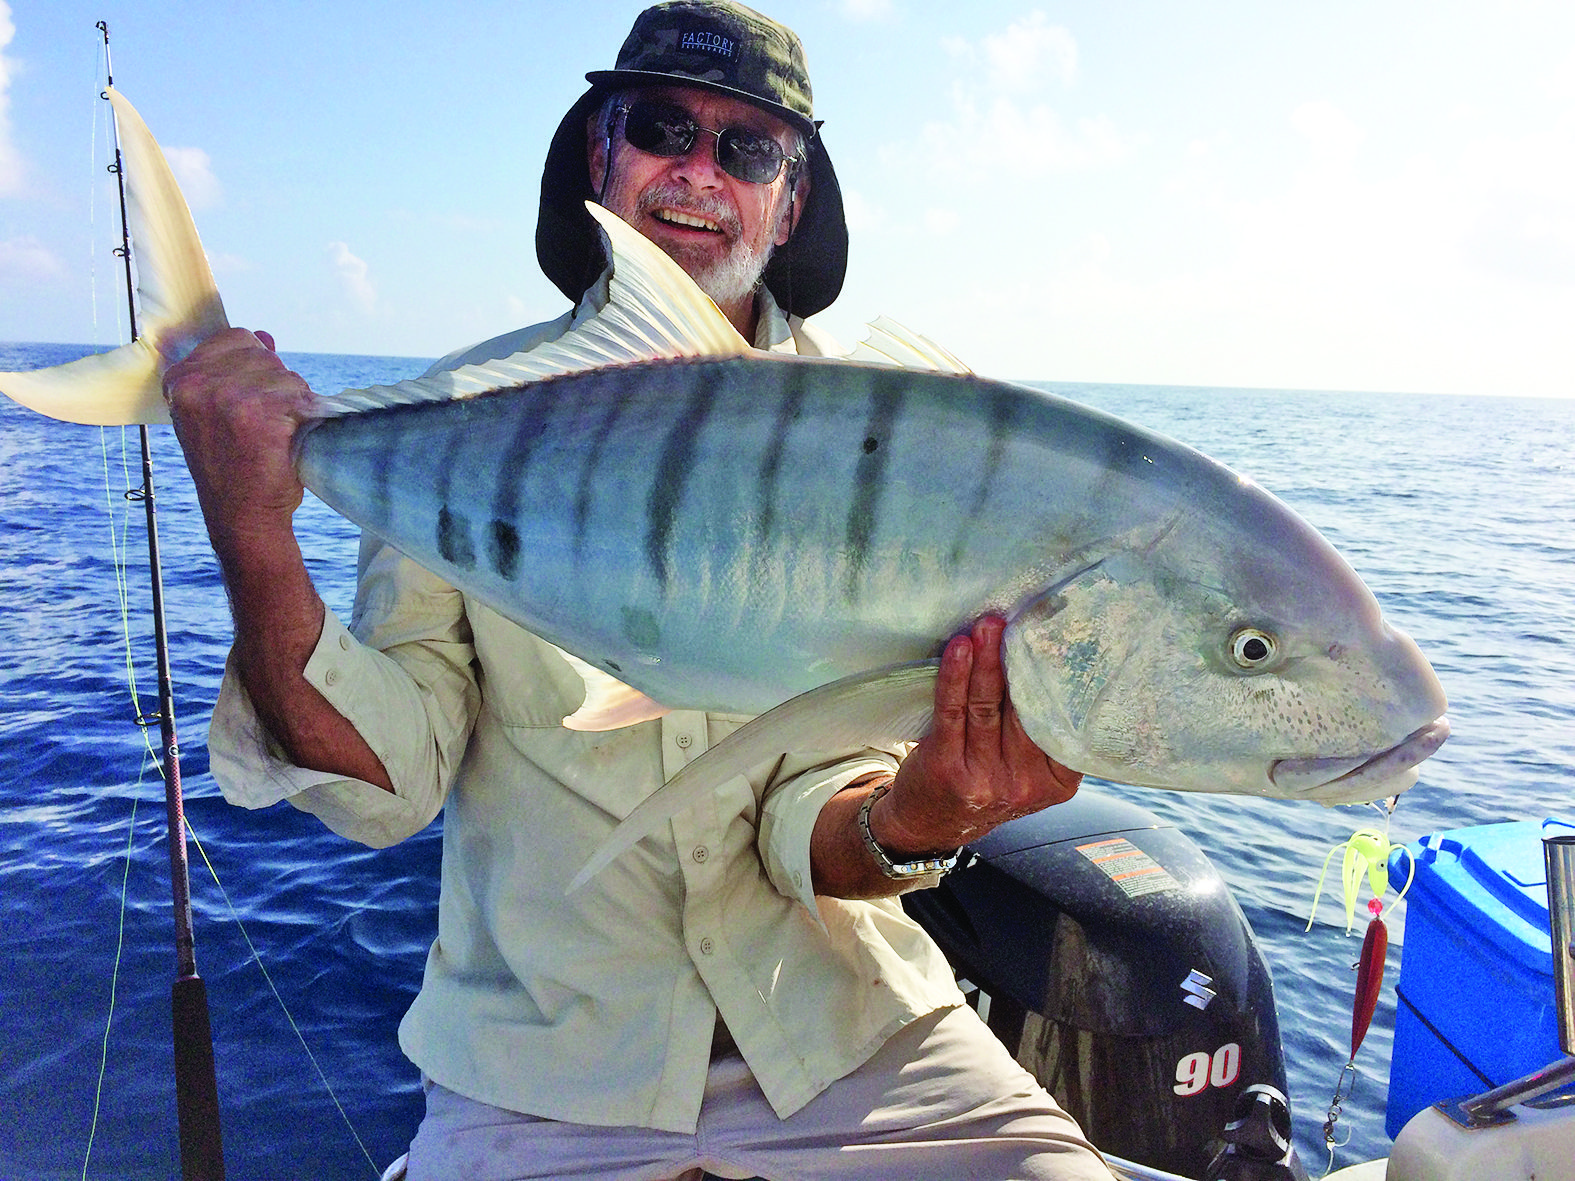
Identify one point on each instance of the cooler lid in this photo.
(1494, 873)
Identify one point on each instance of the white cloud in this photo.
(194, 173)
(867, 10)
(1009, 141)
(26, 259)
(353, 276)
(11, 166)
(941, 221)
(862, 214)
(1030, 52)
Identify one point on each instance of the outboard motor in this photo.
(1104, 949)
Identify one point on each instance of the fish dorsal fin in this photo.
(889, 343)
(654, 310)
(177, 303)
(875, 708)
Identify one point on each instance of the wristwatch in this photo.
(899, 871)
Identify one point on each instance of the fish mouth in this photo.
(1358, 778)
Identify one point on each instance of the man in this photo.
(742, 993)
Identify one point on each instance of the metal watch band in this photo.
(899, 871)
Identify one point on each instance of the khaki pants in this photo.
(941, 1101)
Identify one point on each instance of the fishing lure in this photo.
(1367, 853)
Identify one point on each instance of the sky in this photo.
(1354, 194)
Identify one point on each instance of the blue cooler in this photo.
(1476, 971)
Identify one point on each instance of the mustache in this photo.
(676, 195)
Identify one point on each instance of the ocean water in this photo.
(1458, 512)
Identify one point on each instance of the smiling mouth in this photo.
(688, 221)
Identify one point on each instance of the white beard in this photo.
(734, 276)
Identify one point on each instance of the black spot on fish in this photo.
(453, 539)
(869, 478)
(503, 548)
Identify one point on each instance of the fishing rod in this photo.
(196, 1086)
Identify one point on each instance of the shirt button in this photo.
(683, 741)
(331, 677)
(707, 945)
(701, 854)
(344, 642)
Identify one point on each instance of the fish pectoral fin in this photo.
(177, 303)
(888, 343)
(876, 708)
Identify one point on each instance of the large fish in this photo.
(724, 529)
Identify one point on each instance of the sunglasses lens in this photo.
(668, 131)
(750, 157)
(661, 131)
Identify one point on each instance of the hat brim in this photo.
(804, 276)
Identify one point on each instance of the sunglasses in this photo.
(662, 129)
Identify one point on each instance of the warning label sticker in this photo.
(1129, 867)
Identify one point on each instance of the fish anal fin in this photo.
(877, 708)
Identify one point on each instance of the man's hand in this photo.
(975, 769)
(236, 408)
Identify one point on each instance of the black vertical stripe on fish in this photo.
(503, 547)
(794, 387)
(869, 478)
(1002, 410)
(590, 465)
(677, 463)
(454, 542)
(530, 428)
(380, 475)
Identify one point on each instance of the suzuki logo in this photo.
(1196, 986)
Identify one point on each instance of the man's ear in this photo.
(596, 149)
(792, 209)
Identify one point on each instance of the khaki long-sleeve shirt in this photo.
(597, 1007)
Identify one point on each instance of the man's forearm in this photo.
(278, 621)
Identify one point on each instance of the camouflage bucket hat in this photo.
(720, 46)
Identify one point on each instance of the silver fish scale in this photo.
(728, 533)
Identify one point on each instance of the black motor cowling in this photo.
(1111, 959)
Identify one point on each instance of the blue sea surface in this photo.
(1458, 512)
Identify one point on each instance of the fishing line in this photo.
(114, 976)
(284, 1008)
(119, 542)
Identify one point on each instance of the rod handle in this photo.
(196, 1088)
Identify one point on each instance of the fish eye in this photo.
(1252, 648)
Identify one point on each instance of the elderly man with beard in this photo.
(742, 994)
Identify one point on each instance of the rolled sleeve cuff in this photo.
(787, 823)
(254, 771)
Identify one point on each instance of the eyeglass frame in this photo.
(793, 162)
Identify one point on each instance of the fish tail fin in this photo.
(178, 303)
